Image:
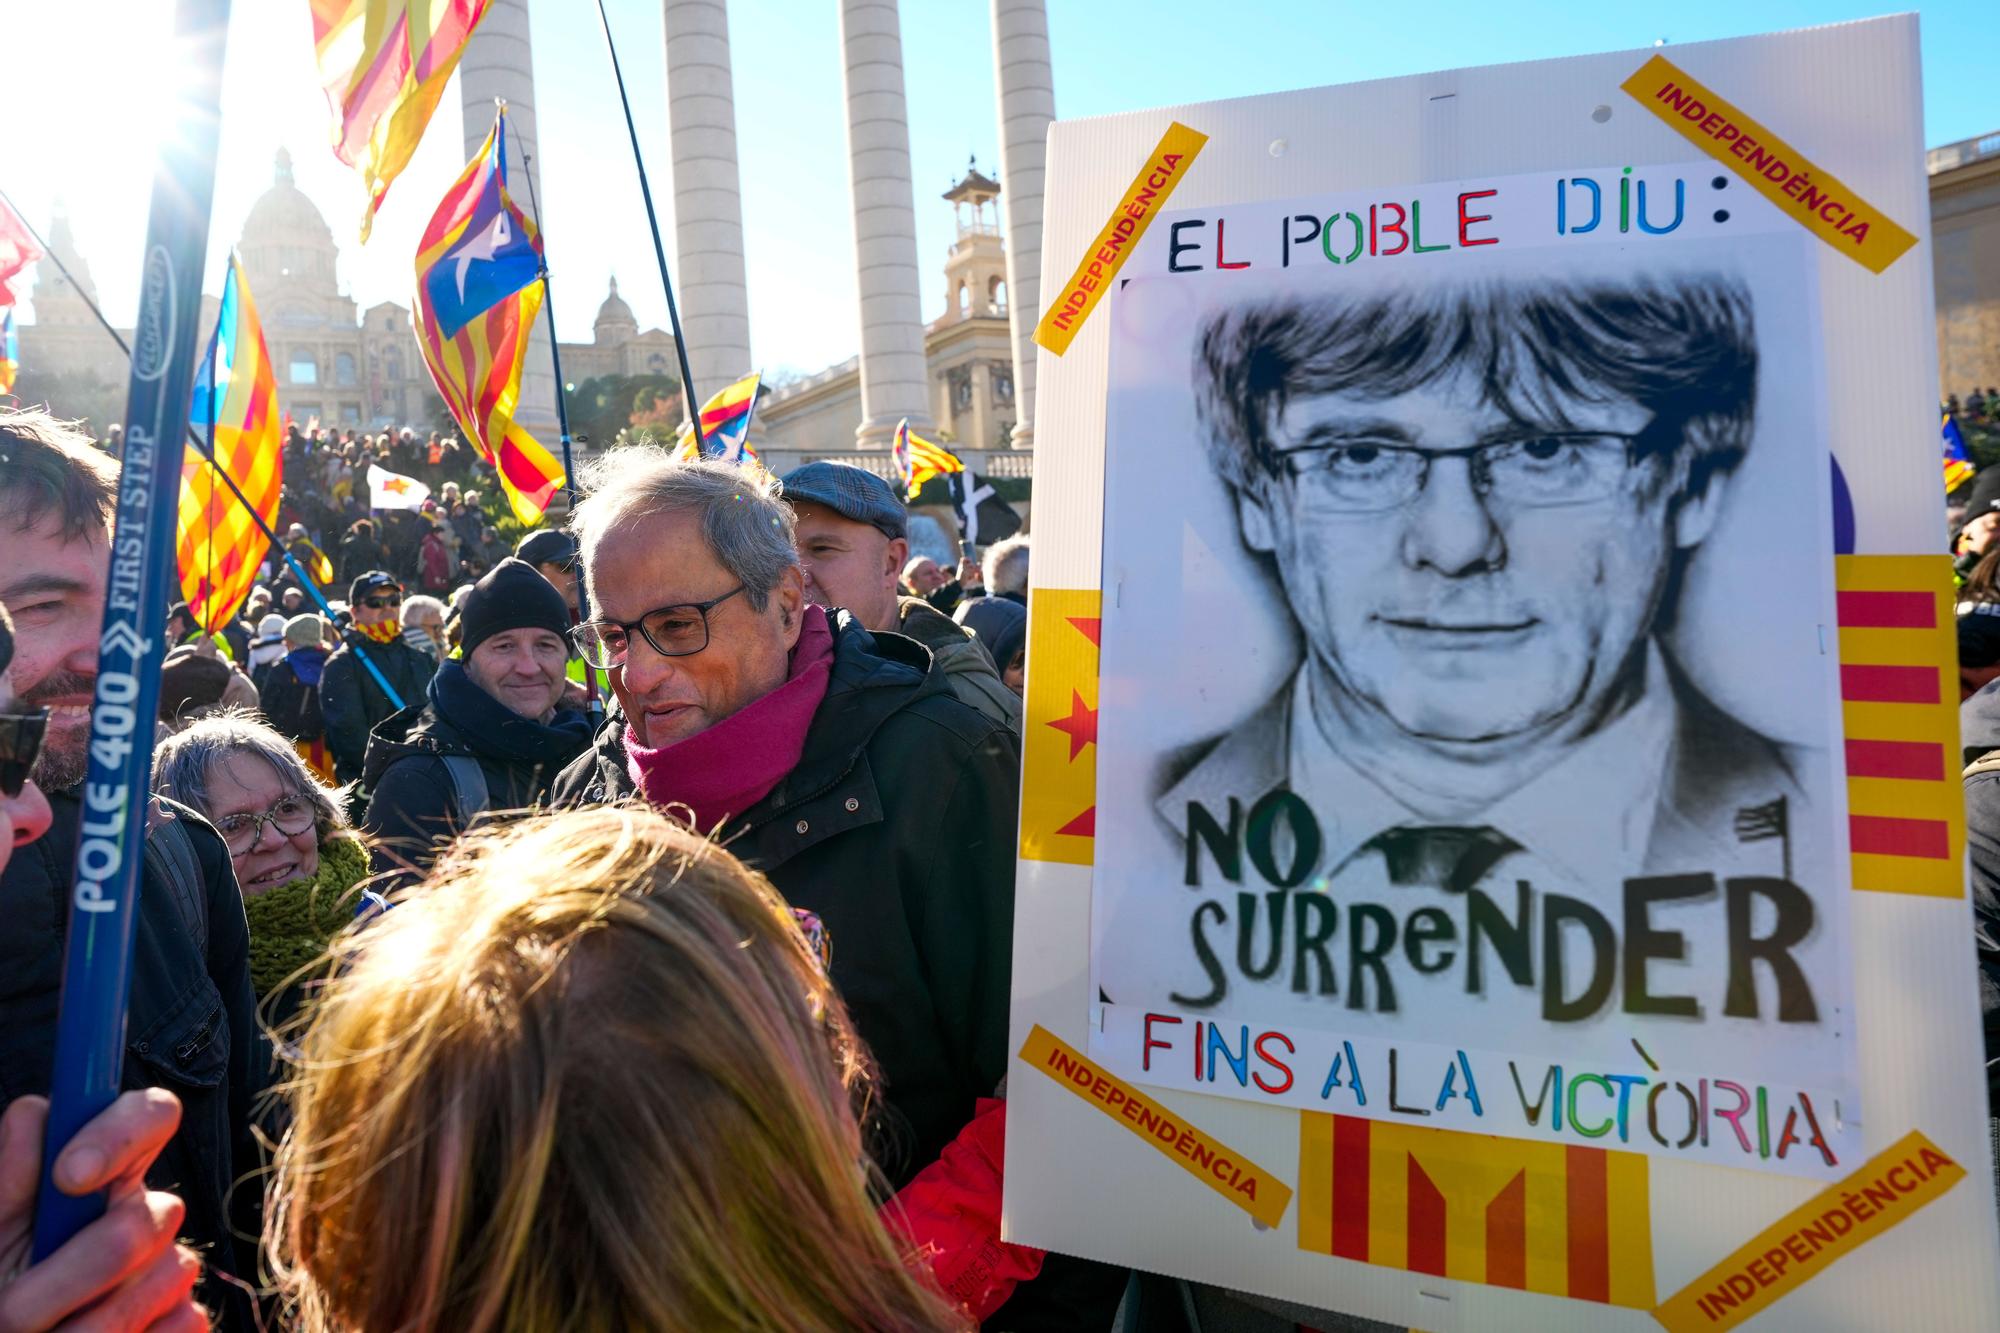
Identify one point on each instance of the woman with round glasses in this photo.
(296, 861)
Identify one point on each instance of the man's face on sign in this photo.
(1498, 599)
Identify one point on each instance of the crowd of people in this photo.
(1975, 517)
(499, 966)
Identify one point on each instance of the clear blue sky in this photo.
(790, 120)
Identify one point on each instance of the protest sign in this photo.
(1478, 769)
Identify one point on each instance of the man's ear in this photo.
(1696, 515)
(790, 595)
(896, 553)
(1259, 532)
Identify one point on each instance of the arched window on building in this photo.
(392, 366)
(996, 295)
(343, 369)
(964, 299)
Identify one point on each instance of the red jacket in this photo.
(437, 564)
(950, 1214)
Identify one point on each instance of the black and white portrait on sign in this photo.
(1464, 678)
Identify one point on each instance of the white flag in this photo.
(392, 490)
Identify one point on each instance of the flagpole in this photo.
(306, 582)
(689, 398)
(104, 895)
(562, 411)
(208, 589)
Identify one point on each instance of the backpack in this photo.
(469, 793)
(291, 705)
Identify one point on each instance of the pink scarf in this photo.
(721, 772)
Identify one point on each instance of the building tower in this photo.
(708, 207)
(1025, 86)
(56, 301)
(893, 371)
(976, 396)
(499, 62)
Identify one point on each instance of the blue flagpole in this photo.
(97, 956)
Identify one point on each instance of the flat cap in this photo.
(853, 492)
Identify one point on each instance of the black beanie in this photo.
(514, 595)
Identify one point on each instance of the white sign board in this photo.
(1491, 840)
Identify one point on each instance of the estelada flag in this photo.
(479, 288)
(1958, 468)
(725, 424)
(1534, 1215)
(17, 251)
(918, 460)
(384, 65)
(219, 545)
(393, 490)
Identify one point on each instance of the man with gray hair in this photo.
(830, 759)
(852, 533)
(1006, 567)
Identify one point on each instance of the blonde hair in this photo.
(588, 1076)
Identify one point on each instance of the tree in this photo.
(599, 408)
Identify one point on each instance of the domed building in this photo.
(617, 347)
(352, 370)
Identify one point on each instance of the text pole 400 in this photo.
(97, 962)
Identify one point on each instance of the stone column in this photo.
(1025, 87)
(708, 207)
(498, 62)
(981, 434)
(893, 372)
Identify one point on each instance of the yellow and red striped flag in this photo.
(725, 424)
(236, 410)
(918, 460)
(317, 758)
(479, 288)
(1554, 1218)
(384, 65)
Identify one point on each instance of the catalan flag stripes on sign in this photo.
(725, 424)
(1546, 1217)
(10, 352)
(479, 290)
(1059, 734)
(1899, 707)
(918, 460)
(1958, 468)
(219, 545)
(384, 65)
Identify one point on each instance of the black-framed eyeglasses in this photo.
(291, 816)
(20, 745)
(1543, 469)
(382, 603)
(670, 631)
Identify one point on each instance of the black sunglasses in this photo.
(20, 745)
(382, 603)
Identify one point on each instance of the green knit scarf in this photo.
(291, 924)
